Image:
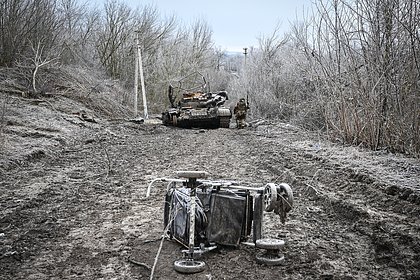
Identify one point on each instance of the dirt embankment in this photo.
(72, 194)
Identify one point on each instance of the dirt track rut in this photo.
(79, 211)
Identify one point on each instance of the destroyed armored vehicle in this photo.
(192, 106)
(225, 213)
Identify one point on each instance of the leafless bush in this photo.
(375, 73)
(24, 23)
(362, 60)
(90, 86)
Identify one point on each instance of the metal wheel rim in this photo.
(270, 197)
(270, 243)
(188, 266)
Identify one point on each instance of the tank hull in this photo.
(211, 118)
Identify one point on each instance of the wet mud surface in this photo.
(74, 206)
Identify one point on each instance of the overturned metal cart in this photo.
(225, 213)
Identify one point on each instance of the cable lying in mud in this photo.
(164, 235)
(139, 264)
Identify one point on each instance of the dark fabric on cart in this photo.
(180, 226)
(226, 219)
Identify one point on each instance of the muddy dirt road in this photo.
(72, 194)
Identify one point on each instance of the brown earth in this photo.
(72, 194)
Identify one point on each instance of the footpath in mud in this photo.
(72, 194)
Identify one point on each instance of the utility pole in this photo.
(245, 53)
(139, 68)
(136, 84)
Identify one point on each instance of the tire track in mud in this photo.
(40, 234)
(385, 221)
(346, 224)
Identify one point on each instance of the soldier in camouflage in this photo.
(240, 111)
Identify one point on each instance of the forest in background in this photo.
(349, 69)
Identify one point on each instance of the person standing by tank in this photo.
(240, 112)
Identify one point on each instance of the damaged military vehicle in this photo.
(193, 106)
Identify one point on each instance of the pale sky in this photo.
(235, 23)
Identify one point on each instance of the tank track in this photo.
(224, 122)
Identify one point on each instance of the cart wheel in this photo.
(270, 259)
(269, 244)
(286, 192)
(270, 197)
(189, 266)
(192, 174)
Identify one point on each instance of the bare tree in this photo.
(201, 41)
(40, 24)
(38, 60)
(80, 23)
(114, 38)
